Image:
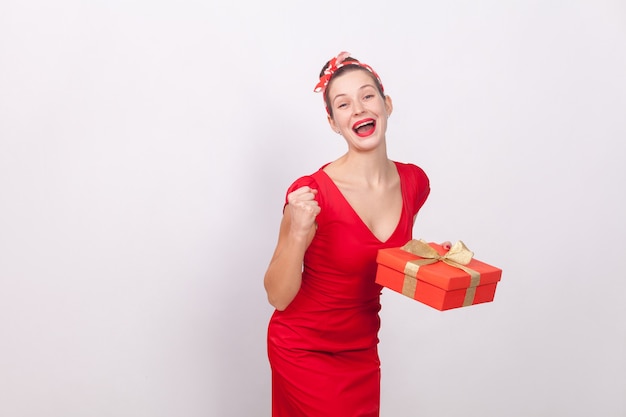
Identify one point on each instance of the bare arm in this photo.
(297, 229)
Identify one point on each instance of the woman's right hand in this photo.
(303, 210)
(297, 229)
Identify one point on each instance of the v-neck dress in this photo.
(323, 347)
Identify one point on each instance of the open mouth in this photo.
(364, 127)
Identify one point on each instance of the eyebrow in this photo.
(360, 88)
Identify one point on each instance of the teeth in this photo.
(363, 124)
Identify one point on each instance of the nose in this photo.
(358, 107)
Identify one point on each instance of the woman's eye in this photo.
(369, 96)
(342, 106)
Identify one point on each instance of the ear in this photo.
(388, 105)
(332, 124)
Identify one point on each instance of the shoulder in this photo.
(305, 180)
(415, 184)
(314, 180)
(413, 173)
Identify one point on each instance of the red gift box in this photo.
(441, 279)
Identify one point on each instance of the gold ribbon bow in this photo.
(458, 256)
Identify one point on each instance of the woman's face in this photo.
(359, 111)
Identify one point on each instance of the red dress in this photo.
(323, 347)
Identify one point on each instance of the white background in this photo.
(146, 146)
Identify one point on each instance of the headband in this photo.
(336, 63)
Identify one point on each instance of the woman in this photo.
(323, 336)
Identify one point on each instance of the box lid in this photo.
(439, 273)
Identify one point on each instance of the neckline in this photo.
(347, 203)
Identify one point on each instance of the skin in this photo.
(364, 174)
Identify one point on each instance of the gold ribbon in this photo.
(458, 256)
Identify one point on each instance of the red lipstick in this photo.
(365, 127)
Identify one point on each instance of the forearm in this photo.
(284, 274)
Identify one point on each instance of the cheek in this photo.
(341, 120)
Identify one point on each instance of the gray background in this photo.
(146, 146)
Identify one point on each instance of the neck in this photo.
(370, 168)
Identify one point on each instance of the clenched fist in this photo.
(303, 209)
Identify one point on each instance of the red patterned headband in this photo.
(336, 63)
